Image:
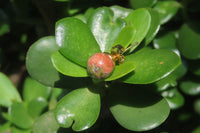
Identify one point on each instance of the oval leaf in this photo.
(174, 98)
(188, 42)
(151, 65)
(104, 29)
(167, 10)
(125, 37)
(190, 87)
(67, 67)
(154, 27)
(140, 19)
(121, 70)
(75, 40)
(40, 53)
(46, 123)
(137, 109)
(79, 109)
(8, 92)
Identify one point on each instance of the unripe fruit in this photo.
(100, 66)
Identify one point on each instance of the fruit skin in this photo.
(100, 66)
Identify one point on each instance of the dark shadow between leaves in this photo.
(137, 96)
(71, 82)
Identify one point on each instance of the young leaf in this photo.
(121, 70)
(104, 28)
(125, 36)
(140, 19)
(67, 67)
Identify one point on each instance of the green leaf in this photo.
(46, 123)
(190, 87)
(142, 3)
(40, 53)
(122, 70)
(154, 26)
(67, 67)
(33, 89)
(141, 24)
(165, 41)
(79, 109)
(19, 116)
(188, 42)
(137, 109)
(8, 92)
(104, 29)
(120, 12)
(5, 127)
(171, 79)
(125, 37)
(151, 65)
(174, 98)
(75, 40)
(167, 10)
(36, 107)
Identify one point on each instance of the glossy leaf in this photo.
(167, 10)
(171, 79)
(120, 12)
(122, 70)
(142, 3)
(46, 123)
(19, 116)
(154, 26)
(67, 67)
(125, 37)
(141, 24)
(33, 89)
(75, 40)
(190, 87)
(165, 41)
(79, 109)
(38, 61)
(8, 92)
(174, 98)
(188, 42)
(104, 29)
(137, 109)
(151, 65)
(36, 107)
